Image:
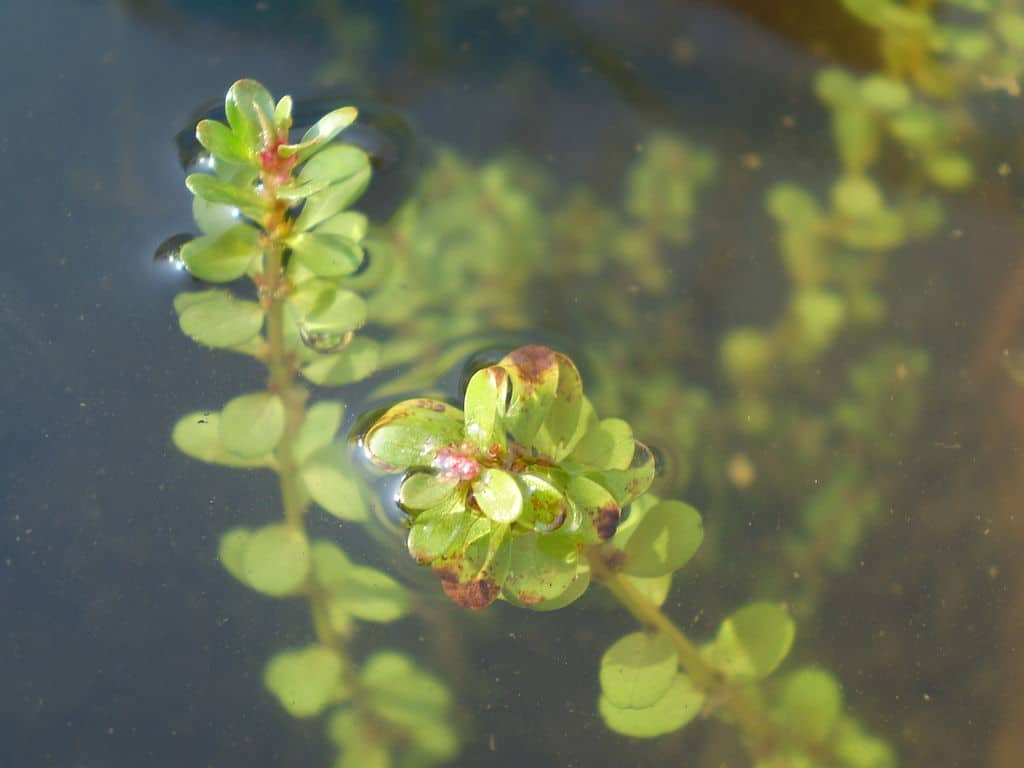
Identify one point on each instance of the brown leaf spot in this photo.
(475, 594)
(529, 598)
(606, 520)
(430, 405)
(534, 364)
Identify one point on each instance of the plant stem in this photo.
(743, 708)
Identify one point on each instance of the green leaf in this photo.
(215, 190)
(354, 363)
(326, 255)
(223, 257)
(1010, 27)
(856, 749)
(218, 319)
(252, 425)
(561, 429)
(410, 433)
(608, 444)
(283, 116)
(667, 536)
(918, 126)
(950, 170)
(250, 111)
(638, 670)
(753, 641)
(231, 551)
(856, 136)
(369, 595)
(472, 576)
(595, 504)
(498, 495)
(484, 408)
(322, 132)
(213, 218)
(541, 569)
(401, 693)
(884, 93)
(425, 490)
(222, 143)
(836, 87)
(320, 307)
(350, 224)
(436, 531)
(276, 560)
(656, 590)
(812, 702)
(632, 482)
(545, 506)
(340, 174)
(793, 205)
(856, 197)
(197, 434)
(332, 483)
(306, 680)
(680, 704)
(321, 423)
(533, 373)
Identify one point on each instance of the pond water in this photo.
(801, 287)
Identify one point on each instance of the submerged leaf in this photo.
(253, 424)
(680, 704)
(638, 670)
(223, 257)
(306, 680)
(666, 537)
(218, 319)
(276, 560)
(197, 434)
(753, 641)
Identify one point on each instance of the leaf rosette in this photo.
(505, 494)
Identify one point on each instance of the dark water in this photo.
(123, 641)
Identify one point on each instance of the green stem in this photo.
(747, 713)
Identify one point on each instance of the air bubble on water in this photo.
(324, 342)
(169, 251)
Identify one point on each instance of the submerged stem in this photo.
(751, 716)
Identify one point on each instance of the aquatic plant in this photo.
(523, 494)
(278, 213)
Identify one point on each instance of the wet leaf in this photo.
(283, 116)
(545, 506)
(354, 363)
(341, 174)
(472, 577)
(812, 701)
(425, 490)
(856, 749)
(884, 93)
(320, 306)
(753, 641)
(223, 257)
(215, 190)
(656, 590)
(638, 670)
(222, 142)
(332, 483)
(218, 319)
(437, 531)
(325, 254)
(680, 704)
(856, 197)
(350, 224)
(608, 444)
(666, 537)
(322, 132)
(485, 406)
(252, 425)
(561, 429)
(321, 423)
(793, 205)
(213, 218)
(276, 560)
(541, 569)
(596, 505)
(856, 136)
(410, 433)
(498, 495)
(631, 483)
(250, 112)
(836, 87)
(951, 170)
(533, 375)
(306, 680)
